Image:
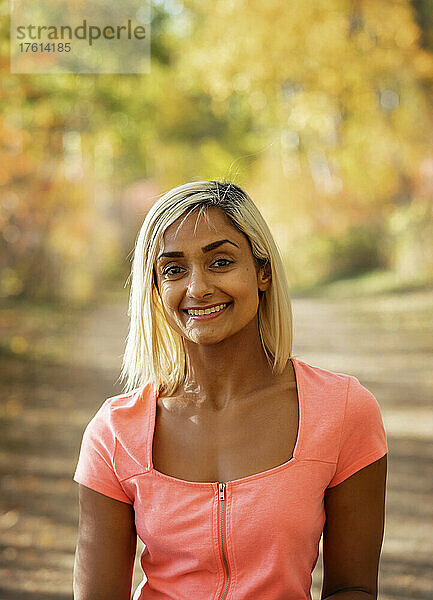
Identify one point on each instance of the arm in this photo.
(353, 534)
(105, 553)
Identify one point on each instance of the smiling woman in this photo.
(226, 455)
(206, 213)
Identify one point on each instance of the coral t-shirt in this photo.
(254, 537)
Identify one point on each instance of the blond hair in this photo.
(154, 352)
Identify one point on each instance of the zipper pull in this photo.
(221, 488)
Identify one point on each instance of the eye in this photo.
(171, 271)
(223, 260)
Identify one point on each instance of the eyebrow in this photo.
(207, 248)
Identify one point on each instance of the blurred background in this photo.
(322, 111)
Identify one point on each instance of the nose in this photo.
(198, 284)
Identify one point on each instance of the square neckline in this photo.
(288, 463)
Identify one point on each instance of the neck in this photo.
(217, 374)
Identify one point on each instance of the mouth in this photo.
(208, 313)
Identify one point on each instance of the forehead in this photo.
(199, 227)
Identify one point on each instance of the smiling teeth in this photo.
(207, 311)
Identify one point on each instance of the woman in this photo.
(226, 454)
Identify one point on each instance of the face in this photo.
(208, 266)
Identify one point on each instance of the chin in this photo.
(205, 340)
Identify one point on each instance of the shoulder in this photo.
(127, 404)
(335, 390)
(319, 374)
(322, 384)
(343, 419)
(117, 412)
(121, 431)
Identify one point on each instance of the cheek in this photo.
(245, 285)
(170, 296)
(244, 292)
(170, 299)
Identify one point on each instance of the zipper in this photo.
(222, 499)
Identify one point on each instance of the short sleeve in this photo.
(95, 468)
(363, 438)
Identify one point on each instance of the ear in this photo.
(264, 277)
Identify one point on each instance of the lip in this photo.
(208, 317)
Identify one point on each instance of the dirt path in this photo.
(386, 342)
